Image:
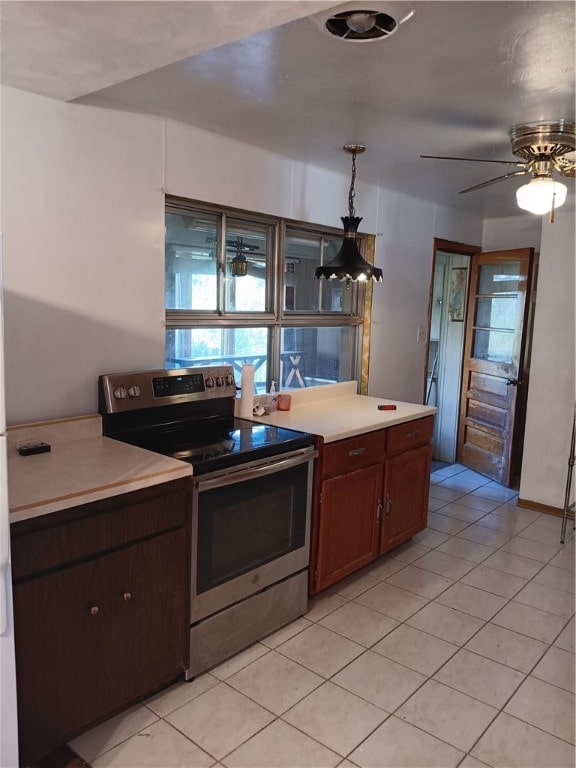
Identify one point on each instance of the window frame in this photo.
(275, 318)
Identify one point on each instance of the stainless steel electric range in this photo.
(251, 502)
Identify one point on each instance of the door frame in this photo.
(449, 247)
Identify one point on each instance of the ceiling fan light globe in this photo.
(541, 195)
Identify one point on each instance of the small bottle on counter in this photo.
(272, 398)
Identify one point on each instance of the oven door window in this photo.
(248, 524)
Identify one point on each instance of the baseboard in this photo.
(537, 507)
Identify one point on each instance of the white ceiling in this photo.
(452, 80)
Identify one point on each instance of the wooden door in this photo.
(494, 367)
(406, 485)
(349, 524)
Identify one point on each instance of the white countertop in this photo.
(80, 471)
(335, 411)
(83, 466)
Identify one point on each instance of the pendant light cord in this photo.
(352, 192)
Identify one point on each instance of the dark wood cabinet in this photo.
(371, 495)
(100, 611)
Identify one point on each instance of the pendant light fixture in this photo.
(348, 264)
(239, 264)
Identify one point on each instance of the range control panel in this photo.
(120, 392)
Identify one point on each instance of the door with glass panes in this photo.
(495, 372)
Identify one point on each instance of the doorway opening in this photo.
(481, 310)
(445, 341)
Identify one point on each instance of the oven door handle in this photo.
(241, 475)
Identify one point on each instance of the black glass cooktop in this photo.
(220, 444)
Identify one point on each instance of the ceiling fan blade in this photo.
(473, 160)
(565, 166)
(493, 181)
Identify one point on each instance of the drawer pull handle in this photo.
(126, 596)
(388, 506)
(415, 433)
(357, 451)
(379, 511)
(94, 610)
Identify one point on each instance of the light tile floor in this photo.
(456, 649)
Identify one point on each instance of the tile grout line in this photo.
(353, 600)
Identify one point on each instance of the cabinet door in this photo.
(93, 637)
(406, 486)
(349, 529)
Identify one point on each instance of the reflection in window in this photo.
(247, 243)
(187, 347)
(303, 293)
(191, 261)
(321, 355)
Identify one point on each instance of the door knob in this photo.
(512, 382)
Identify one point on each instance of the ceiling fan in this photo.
(544, 149)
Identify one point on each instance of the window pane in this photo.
(187, 347)
(301, 257)
(249, 242)
(336, 296)
(313, 356)
(493, 345)
(497, 313)
(302, 292)
(499, 278)
(191, 264)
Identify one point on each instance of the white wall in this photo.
(209, 168)
(551, 395)
(404, 249)
(82, 213)
(82, 217)
(516, 232)
(459, 227)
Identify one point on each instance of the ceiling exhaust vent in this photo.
(359, 23)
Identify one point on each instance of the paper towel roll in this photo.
(247, 390)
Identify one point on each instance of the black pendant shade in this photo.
(348, 263)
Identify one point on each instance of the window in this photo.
(496, 312)
(304, 252)
(241, 288)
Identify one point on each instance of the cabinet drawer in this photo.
(354, 452)
(402, 437)
(95, 528)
